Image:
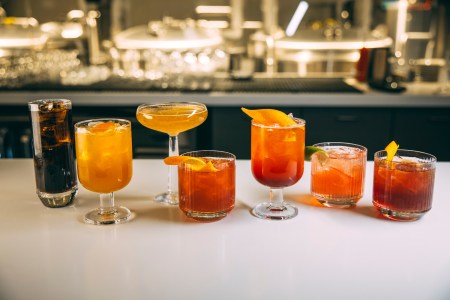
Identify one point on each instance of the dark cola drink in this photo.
(53, 151)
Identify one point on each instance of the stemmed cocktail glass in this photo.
(277, 155)
(104, 161)
(171, 118)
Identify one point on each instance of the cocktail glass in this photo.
(337, 176)
(53, 151)
(403, 187)
(104, 161)
(277, 158)
(207, 194)
(171, 118)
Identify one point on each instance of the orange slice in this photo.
(102, 127)
(391, 149)
(176, 160)
(195, 163)
(268, 116)
(208, 167)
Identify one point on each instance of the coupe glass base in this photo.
(169, 198)
(401, 216)
(267, 210)
(116, 215)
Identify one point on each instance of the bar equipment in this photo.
(329, 47)
(169, 53)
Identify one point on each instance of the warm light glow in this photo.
(19, 43)
(297, 18)
(72, 32)
(332, 45)
(210, 9)
(401, 26)
(354, 56)
(213, 24)
(137, 38)
(303, 56)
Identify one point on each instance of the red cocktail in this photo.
(403, 188)
(207, 193)
(277, 154)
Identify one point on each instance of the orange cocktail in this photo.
(104, 161)
(104, 156)
(277, 157)
(337, 174)
(171, 118)
(207, 191)
(278, 154)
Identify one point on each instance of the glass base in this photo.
(116, 215)
(199, 216)
(57, 200)
(336, 203)
(267, 210)
(167, 198)
(401, 216)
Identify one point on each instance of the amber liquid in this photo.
(207, 192)
(405, 187)
(53, 150)
(277, 154)
(104, 159)
(341, 176)
(172, 119)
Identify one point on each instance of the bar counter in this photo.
(323, 253)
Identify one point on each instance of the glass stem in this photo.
(107, 203)
(173, 170)
(276, 198)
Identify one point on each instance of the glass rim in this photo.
(33, 103)
(300, 123)
(81, 123)
(431, 157)
(225, 153)
(172, 103)
(352, 145)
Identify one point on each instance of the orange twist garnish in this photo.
(195, 163)
(391, 150)
(269, 116)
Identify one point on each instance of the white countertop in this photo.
(323, 253)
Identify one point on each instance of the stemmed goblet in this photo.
(277, 159)
(104, 162)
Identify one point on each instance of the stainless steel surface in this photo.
(169, 49)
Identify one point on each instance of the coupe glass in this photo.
(171, 118)
(277, 155)
(104, 162)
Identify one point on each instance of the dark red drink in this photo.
(403, 188)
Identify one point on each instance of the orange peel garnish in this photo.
(209, 167)
(102, 127)
(195, 163)
(391, 149)
(268, 116)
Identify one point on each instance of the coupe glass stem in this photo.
(173, 170)
(276, 198)
(107, 203)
